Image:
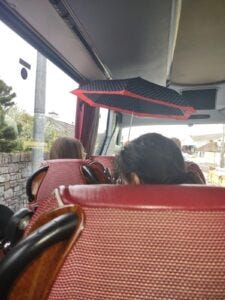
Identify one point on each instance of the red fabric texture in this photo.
(60, 172)
(183, 197)
(143, 249)
(44, 206)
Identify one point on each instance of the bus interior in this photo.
(114, 241)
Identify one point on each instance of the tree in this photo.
(8, 133)
(24, 127)
(6, 96)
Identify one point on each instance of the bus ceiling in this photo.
(173, 41)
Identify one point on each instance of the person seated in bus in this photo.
(67, 147)
(190, 165)
(153, 159)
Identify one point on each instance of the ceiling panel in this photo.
(131, 37)
(199, 56)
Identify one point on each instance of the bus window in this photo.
(54, 114)
(102, 125)
(202, 144)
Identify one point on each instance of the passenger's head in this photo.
(66, 147)
(177, 142)
(152, 158)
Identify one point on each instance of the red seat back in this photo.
(60, 172)
(146, 242)
(106, 161)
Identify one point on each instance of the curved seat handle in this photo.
(59, 229)
(15, 228)
(88, 173)
(96, 173)
(34, 182)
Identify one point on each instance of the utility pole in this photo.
(222, 149)
(39, 113)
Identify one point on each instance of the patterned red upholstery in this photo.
(106, 161)
(60, 172)
(146, 242)
(43, 207)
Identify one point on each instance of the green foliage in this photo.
(7, 146)
(25, 128)
(6, 96)
(16, 133)
(8, 133)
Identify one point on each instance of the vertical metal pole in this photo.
(39, 113)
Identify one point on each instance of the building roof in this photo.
(67, 129)
(206, 137)
(209, 147)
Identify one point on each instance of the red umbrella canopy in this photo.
(137, 96)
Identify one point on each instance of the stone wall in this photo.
(15, 168)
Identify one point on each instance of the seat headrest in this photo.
(188, 197)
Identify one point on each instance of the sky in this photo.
(58, 84)
(183, 132)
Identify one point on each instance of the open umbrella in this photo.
(137, 96)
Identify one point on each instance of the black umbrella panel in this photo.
(135, 96)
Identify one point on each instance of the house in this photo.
(209, 148)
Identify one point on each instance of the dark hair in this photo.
(66, 147)
(155, 159)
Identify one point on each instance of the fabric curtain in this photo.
(86, 125)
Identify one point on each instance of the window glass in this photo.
(18, 75)
(202, 144)
(103, 116)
